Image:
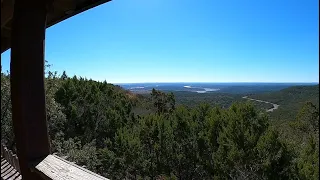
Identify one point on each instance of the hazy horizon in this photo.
(220, 82)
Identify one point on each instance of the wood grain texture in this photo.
(9, 157)
(54, 167)
(8, 171)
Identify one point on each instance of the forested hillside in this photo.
(125, 136)
(223, 100)
(193, 99)
(291, 99)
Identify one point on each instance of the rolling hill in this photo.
(290, 100)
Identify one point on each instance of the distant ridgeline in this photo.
(123, 135)
(224, 94)
(234, 88)
(291, 100)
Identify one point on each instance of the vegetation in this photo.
(193, 99)
(125, 136)
(291, 100)
(223, 100)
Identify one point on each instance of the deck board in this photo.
(55, 167)
(8, 172)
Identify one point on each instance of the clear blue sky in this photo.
(189, 41)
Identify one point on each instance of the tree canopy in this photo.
(121, 135)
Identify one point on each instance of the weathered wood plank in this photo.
(11, 158)
(54, 167)
(8, 171)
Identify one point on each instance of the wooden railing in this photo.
(52, 167)
(11, 158)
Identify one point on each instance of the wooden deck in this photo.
(52, 167)
(23, 29)
(8, 171)
(9, 164)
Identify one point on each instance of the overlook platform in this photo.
(23, 27)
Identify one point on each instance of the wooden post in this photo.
(16, 163)
(2, 149)
(27, 84)
(10, 160)
(5, 154)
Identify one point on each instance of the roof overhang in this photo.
(59, 11)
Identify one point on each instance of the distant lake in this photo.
(234, 88)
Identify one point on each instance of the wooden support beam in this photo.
(27, 84)
(64, 5)
(5, 32)
(5, 43)
(6, 11)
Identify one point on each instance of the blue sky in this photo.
(189, 41)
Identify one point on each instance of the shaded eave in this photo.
(58, 11)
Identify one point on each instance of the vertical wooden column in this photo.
(27, 83)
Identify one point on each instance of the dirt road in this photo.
(275, 106)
